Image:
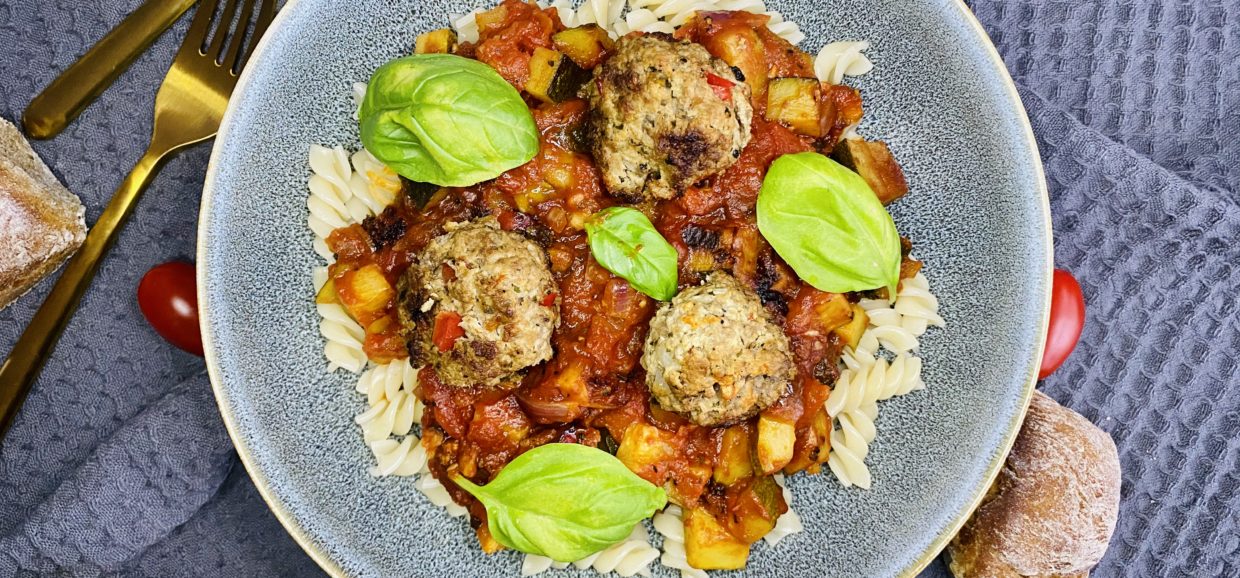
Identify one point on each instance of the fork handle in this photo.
(39, 339)
(80, 84)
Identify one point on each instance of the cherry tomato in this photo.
(168, 299)
(1067, 320)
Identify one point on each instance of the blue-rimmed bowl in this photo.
(978, 215)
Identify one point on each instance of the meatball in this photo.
(479, 305)
(664, 114)
(715, 356)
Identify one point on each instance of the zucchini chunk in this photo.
(442, 41)
(709, 545)
(794, 103)
(585, 45)
(554, 77)
(873, 161)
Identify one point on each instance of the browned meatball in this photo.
(497, 288)
(714, 355)
(657, 120)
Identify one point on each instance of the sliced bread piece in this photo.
(41, 222)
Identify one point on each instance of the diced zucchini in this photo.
(794, 102)
(754, 508)
(688, 484)
(327, 294)
(585, 45)
(538, 193)
(735, 461)
(774, 445)
(709, 546)
(419, 193)
(365, 293)
(813, 445)
(873, 161)
(834, 311)
(554, 77)
(644, 449)
(740, 46)
(492, 20)
(442, 41)
(850, 333)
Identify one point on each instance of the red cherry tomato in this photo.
(168, 298)
(1067, 320)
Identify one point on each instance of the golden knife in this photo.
(69, 94)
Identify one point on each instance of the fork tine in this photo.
(196, 36)
(239, 36)
(221, 31)
(266, 14)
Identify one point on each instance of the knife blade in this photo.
(80, 84)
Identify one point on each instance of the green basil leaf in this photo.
(565, 501)
(624, 242)
(445, 119)
(827, 224)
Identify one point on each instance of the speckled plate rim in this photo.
(294, 528)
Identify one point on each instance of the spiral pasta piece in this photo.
(839, 59)
(343, 337)
(630, 557)
(849, 447)
(466, 25)
(387, 424)
(438, 495)
(867, 378)
(344, 190)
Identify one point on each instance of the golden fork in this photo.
(188, 110)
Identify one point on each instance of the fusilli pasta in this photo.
(466, 26)
(868, 378)
(839, 59)
(392, 411)
(438, 495)
(628, 558)
(343, 348)
(344, 190)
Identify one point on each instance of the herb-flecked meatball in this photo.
(714, 355)
(664, 114)
(479, 305)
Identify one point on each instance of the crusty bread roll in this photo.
(1052, 509)
(41, 222)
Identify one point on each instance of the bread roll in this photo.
(41, 222)
(1052, 509)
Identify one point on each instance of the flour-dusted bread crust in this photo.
(41, 222)
(1052, 510)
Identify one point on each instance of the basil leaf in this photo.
(445, 119)
(827, 224)
(565, 501)
(624, 242)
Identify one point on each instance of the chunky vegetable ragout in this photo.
(594, 389)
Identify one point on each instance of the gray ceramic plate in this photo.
(978, 215)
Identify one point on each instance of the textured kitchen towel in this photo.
(1136, 105)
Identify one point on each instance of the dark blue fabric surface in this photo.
(119, 465)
